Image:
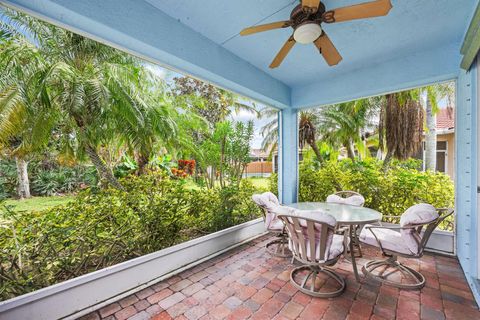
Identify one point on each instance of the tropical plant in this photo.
(347, 124)
(225, 153)
(401, 125)
(25, 124)
(336, 126)
(237, 151)
(100, 229)
(307, 132)
(269, 131)
(99, 95)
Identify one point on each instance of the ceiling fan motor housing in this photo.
(306, 23)
(300, 15)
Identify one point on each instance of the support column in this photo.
(466, 182)
(288, 156)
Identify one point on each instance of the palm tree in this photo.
(96, 90)
(344, 124)
(339, 125)
(269, 131)
(401, 125)
(433, 95)
(25, 125)
(306, 131)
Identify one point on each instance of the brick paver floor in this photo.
(248, 283)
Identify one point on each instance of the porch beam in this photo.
(421, 68)
(147, 32)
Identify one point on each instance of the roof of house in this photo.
(446, 119)
(258, 153)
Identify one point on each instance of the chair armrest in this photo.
(385, 227)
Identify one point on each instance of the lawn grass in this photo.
(38, 203)
(260, 182)
(41, 203)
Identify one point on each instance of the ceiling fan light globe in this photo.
(307, 33)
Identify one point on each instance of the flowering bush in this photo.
(188, 166)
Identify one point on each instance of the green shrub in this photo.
(391, 191)
(100, 229)
(8, 179)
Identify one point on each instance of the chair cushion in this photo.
(270, 203)
(332, 247)
(275, 225)
(355, 200)
(257, 198)
(317, 215)
(419, 213)
(272, 222)
(390, 239)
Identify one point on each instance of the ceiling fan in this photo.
(306, 20)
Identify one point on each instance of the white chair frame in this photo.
(314, 267)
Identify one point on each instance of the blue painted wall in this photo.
(466, 175)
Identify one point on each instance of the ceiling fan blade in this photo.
(265, 27)
(314, 4)
(328, 50)
(371, 9)
(283, 52)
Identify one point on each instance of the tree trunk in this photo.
(350, 151)
(387, 160)
(142, 162)
(103, 171)
(222, 159)
(430, 139)
(314, 146)
(23, 185)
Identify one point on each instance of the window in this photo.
(442, 148)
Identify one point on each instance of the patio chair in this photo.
(354, 199)
(347, 197)
(406, 240)
(270, 206)
(314, 243)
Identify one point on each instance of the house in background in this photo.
(259, 165)
(445, 143)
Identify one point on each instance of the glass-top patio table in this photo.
(346, 215)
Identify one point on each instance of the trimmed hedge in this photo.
(100, 229)
(389, 191)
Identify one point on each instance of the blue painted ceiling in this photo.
(411, 27)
